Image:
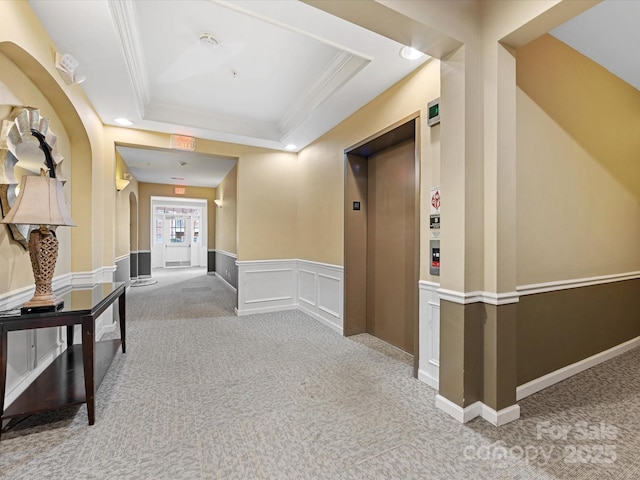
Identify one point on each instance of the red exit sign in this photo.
(179, 190)
(182, 142)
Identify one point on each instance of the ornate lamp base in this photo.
(43, 250)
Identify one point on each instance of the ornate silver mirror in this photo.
(20, 154)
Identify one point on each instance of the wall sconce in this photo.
(218, 202)
(121, 183)
(66, 65)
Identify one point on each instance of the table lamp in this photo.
(41, 202)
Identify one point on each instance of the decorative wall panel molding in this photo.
(321, 293)
(312, 287)
(266, 286)
(429, 331)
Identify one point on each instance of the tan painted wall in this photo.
(26, 43)
(16, 87)
(123, 217)
(147, 190)
(227, 215)
(320, 189)
(267, 205)
(578, 176)
(267, 210)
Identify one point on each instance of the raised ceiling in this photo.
(283, 72)
(272, 73)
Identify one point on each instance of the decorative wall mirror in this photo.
(20, 154)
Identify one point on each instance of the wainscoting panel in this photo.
(429, 368)
(307, 286)
(312, 287)
(266, 286)
(123, 269)
(273, 285)
(30, 352)
(321, 292)
(329, 295)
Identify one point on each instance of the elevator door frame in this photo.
(355, 257)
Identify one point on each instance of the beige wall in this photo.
(267, 205)
(123, 227)
(227, 215)
(265, 211)
(147, 190)
(24, 41)
(320, 179)
(578, 176)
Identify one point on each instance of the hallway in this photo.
(203, 394)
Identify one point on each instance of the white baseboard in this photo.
(463, 415)
(433, 382)
(500, 417)
(322, 320)
(252, 311)
(478, 409)
(563, 373)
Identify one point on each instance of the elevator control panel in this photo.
(434, 251)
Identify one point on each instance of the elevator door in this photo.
(391, 237)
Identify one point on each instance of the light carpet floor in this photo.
(203, 394)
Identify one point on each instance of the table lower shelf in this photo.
(62, 383)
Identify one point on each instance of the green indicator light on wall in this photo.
(433, 109)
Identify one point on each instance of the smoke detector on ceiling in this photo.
(209, 40)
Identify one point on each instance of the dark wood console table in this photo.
(75, 375)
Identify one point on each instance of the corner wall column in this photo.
(477, 289)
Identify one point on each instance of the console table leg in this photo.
(89, 359)
(122, 311)
(3, 373)
(70, 335)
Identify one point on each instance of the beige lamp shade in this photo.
(40, 202)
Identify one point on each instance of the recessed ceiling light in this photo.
(125, 122)
(291, 146)
(410, 53)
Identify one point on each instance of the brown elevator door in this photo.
(391, 251)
